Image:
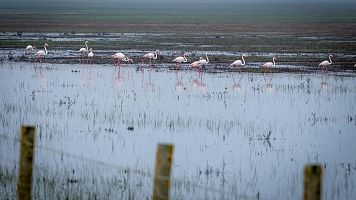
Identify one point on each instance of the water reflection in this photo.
(41, 77)
(87, 76)
(236, 86)
(198, 83)
(118, 79)
(268, 83)
(149, 84)
(179, 86)
(247, 146)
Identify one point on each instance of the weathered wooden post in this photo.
(24, 185)
(312, 182)
(164, 158)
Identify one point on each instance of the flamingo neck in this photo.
(86, 46)
(243, 60)
(330, 60)
(155, 57)
(184, 58)
(274, 62)
(45, 50)
(207, 59)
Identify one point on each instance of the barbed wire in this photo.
(175, 180)
(228, 192)
(82, 158)
(97, 162)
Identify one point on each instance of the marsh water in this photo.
(235, 135)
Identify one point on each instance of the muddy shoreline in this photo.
(212, 67)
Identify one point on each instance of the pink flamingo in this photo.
(41, 54)
(238, 63)
(326, 63)
(269, 64)
(201, 62)
(29, 48)
(150, 56)
(120, 57)
(82, 51)
(179, 60)
(90, 56)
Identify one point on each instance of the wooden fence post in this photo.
(24, 185)
(312, 182)
(164, 158)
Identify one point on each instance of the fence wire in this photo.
(228, 193)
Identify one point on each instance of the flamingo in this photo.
(196, 63)
(83, 50)
(120, 57)
(180, 59)
(269, 64)
(238, 63)
(29, 48)
(41, 54)
(150, 56)
(90, 56)
(201, 62)
(325, 63)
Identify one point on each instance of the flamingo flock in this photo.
(119, 57)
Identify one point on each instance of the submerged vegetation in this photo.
(98, 127)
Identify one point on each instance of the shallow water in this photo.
(218, 123)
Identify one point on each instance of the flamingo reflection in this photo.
(324, 83)
(237, 85)
(42, 79)
(87, 76)
(198, 83)
(118, 80)
(149, 85)
(179, 84)
(268, 83)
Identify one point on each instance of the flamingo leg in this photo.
(81, 58)
(113, 62)
(326, 69)
(118, 63)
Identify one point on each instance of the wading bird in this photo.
(196, 63)
(269, 64)
(29, 48)
(238, 63)
(324, 65)
(90, 56)
(179, 60)
(41, 54)
(82, 51)
(120, 57)
(150, 56)
(201, 62)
